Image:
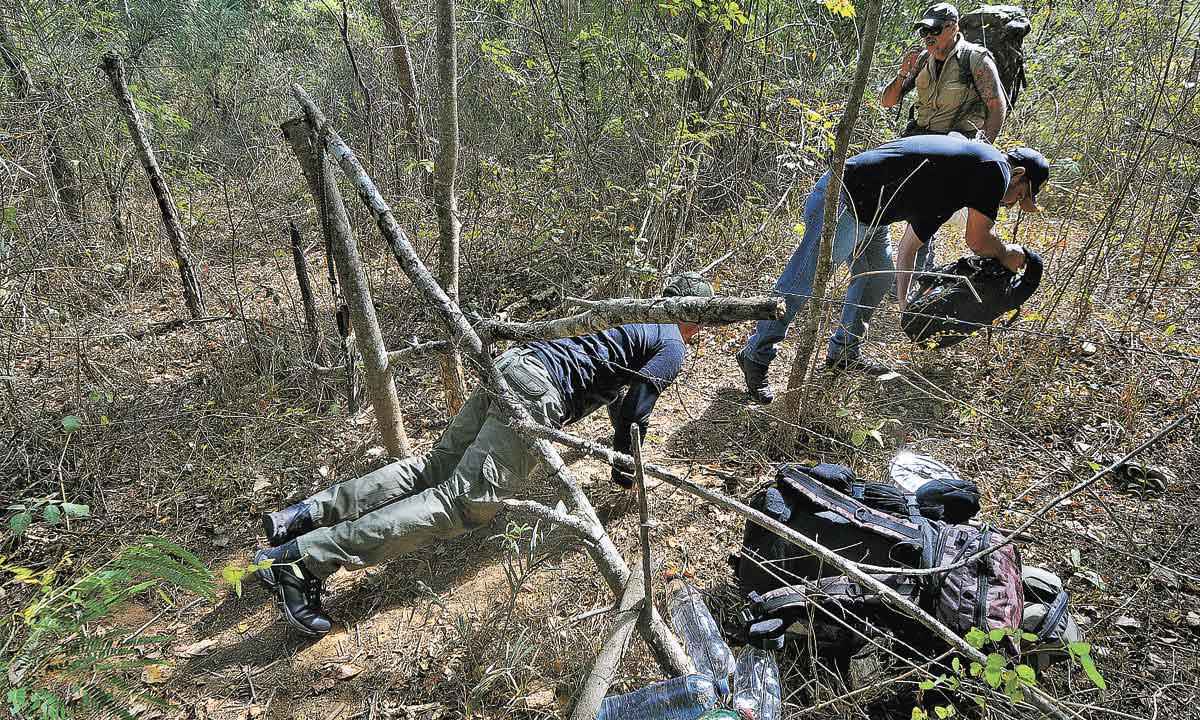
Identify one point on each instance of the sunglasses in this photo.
(930, 32)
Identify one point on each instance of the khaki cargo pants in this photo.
(455, 487)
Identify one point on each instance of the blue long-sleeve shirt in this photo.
(591, 370)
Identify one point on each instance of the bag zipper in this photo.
(981, 596)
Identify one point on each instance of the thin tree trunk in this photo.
(406, 79)
(792, 405)
(316, 349)
(64, 177)
(193, 295)
(604, 314)
(381, 387)
(604, 553)
(608, 661)
(444, 200)
(300, 140)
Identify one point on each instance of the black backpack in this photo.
(785, 587)
(1000, 29)
(942, 311)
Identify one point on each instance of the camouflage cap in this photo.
(688, 284)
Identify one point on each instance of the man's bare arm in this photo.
(991, 92)
(906, 252)
(905, 80)
(982, 239)
(896, 90)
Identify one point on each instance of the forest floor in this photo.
(191, 432)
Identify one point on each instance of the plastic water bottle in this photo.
(701, 636)
(681, 698)
(757, 694)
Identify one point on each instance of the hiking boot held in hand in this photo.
(297, 590)
(287, 524)
(756, 380)
(855, 364)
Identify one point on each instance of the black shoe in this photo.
(287, 524)
(297, 590)
(755, 375)
(266, 575)
(855, 364)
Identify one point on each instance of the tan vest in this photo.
(948, 101)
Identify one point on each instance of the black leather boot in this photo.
(297, 590)
(287, 524)
(756, 380)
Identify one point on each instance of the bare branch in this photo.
(604, 314)
(412, 352)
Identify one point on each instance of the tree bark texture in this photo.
(891, 598)
(445, 201)
(381, 387)
(792, 405)
(406, 79)
(303, 147)
(193, 295)
(612, 566)
(312, 328)
(604, 314)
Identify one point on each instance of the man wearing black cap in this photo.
(478, 462)
(922, 180)
(958, 85)
(958, 89)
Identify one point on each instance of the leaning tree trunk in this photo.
(444, 199)
(792, 405)
(407, 80)
(315, 349)
(193, 296)
(352, 276)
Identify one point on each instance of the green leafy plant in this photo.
(62, 658)
(48, 509)
(1081, 653)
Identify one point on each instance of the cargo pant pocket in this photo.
(523, 380)
(482, 501)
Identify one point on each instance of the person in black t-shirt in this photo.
(922, 180)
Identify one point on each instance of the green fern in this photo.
(56, 649)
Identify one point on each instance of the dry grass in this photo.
(190, 431)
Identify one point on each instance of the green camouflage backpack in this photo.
(1000, 29)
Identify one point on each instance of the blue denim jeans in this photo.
(864, 247)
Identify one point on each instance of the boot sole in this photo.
(291, 620)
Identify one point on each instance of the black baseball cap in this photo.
(1037, 170)
(937, 15)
